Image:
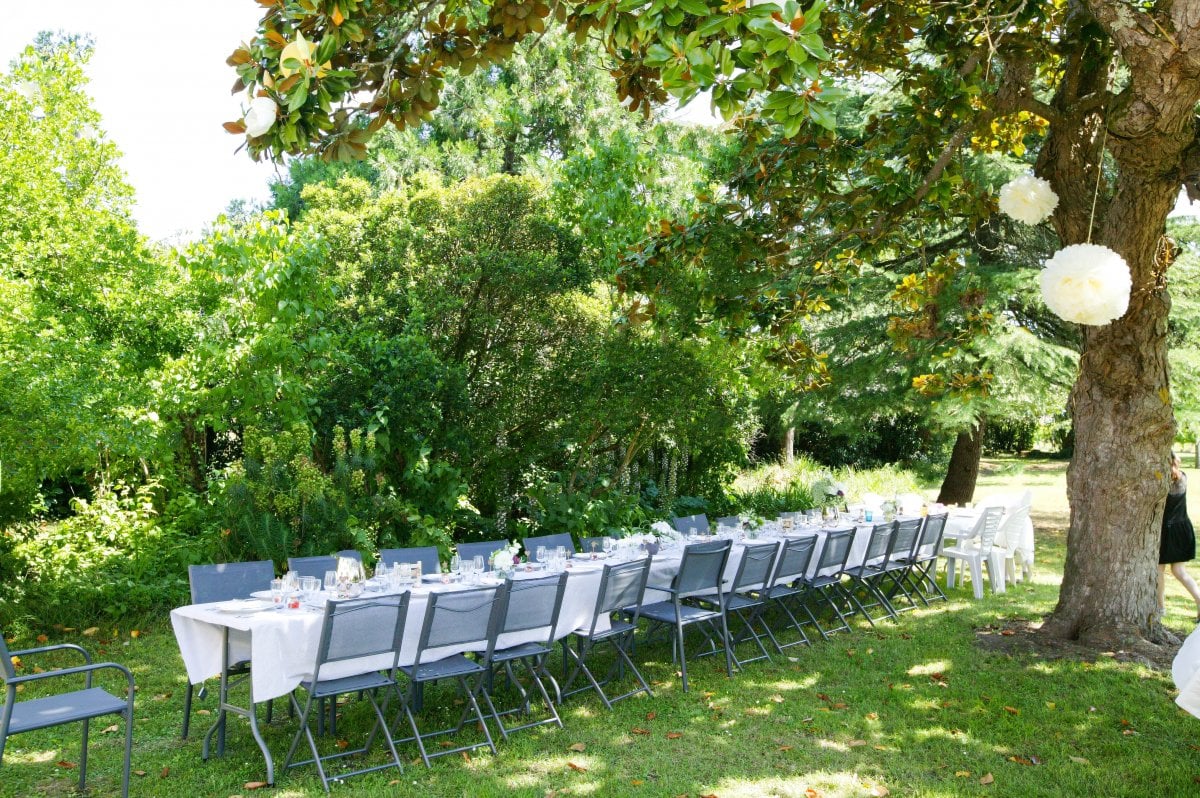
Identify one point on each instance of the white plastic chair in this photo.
(1016, 536)
(980, 548)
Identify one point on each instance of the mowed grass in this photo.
(915, 708)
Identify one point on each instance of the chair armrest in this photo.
(58, 647)
(88, 669)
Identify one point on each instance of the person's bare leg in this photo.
(1179, 570)
(1162, 587)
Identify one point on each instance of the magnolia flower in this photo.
(261, 116)
(87, 133)
(1086, 283)
(303, 51)
(1028, 199)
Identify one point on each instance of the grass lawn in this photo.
(916, 708)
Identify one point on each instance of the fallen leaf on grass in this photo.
(651, 715)
(466, 755)
(91, 631)
(577, 768)
(856, 743)
(43, 639)
(1020, 760)
(823, 697)
(1128, 732)
(109, 729)
(639, 730)
(838, 705)
(711, 795)
(139, 773)
(1078, 760)
(778, 699)
(872, 716)
(203, 712)
(1008, 632)
(577, 747)
(162, 774)
(1012, 710)
(811, 793)
(343, 744)
(962, 774)
(255, 785)
(784, 748)
(674, 735)
(879, 791)
(987, 779)
(62, 763)
(636, 782)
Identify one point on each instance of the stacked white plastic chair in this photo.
(1016, 537)
(977, 551)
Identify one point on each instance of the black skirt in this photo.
(1178, 538)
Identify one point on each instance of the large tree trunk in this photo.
(1124, 424)
(788, 450)
(963, 471)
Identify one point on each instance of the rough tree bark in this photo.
(1124, 424)
(963, 471)
(788, 450)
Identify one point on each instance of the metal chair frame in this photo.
(622, 587)
(788, 587)
(827, 589)
(427, 556)
(532, 604)
(867, 575)
(905, 542)
(922, 565)
(700, 576)
(375, 611)
(60, 709)
(449, 623)
(222, 582)
(745, 601)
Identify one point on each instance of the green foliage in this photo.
(769, 490)
(549, 508)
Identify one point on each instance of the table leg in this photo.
(225, 707)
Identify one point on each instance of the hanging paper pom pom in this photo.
(1086, 283)
(1028, 199)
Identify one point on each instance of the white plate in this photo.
(242, 606)
(587, 555)
(265, 595)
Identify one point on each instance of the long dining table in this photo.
(281, 644)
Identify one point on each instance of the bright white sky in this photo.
(159, 80)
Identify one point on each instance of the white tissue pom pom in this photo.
(1028, 199)
(1087, 284)
(261, 116)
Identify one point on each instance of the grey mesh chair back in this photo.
(879, 544)
(551, 542)
(426, 555)
(905, 539)
(757, 564)
(734, 521)
(591, 544)
(463, 618)
(224, 581)
(485, 550)
(794, 559)
(692, 523)
(313, 566)
(534, 604)
(621, 586)
(361, 628)
(836, 550)
(931, 536)
(701, 568)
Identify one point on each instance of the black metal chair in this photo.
(359, 629)
(427, 556)
(466, 619)
(867, 575)
(551, 542)
(63, 708)
(922, 566)
(891, 582)
(621, 588)
(222, 582)
(532, 605)
(692, 523)
(825, 587)
(700, 575)
(787, 589)
(745, 600)
(486, 549)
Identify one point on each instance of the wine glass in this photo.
(455, 564)
(608, 545)
(478, 563)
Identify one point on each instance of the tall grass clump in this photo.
(774, 488)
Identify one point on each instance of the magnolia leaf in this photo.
(577, 768)
(987, 779)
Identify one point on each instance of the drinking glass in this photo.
(561, 553)
(478, 563)
(540, 554)
(331, 581)
(608, 545)
(455, 564)
(278, 593)
(309, 585)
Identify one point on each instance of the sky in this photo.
(159, 80)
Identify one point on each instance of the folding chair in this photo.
(532, 605)
(922, 565)
(486, 549)
(700, 575)
(734, 521)
(551, 542)
(788, 587)
(745, 600)
(427, 556)
(222, 582)
(825, 587)
(905, 542)
(868, 574)
(61, 708)
(359, 629)
(621, 588)
(591, 545)
(313, 566)
(692, 523)
(465, 620)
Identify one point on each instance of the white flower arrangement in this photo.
(1028, 199)
(827, 491)
(261, 116)
(1087, 284)
(664, 531)
(505, 558)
